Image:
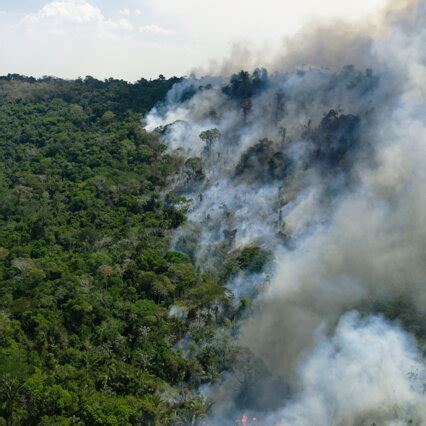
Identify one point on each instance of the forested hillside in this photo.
(194, 251)
(92, 300)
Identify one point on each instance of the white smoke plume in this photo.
(367, 371)
(325, 168)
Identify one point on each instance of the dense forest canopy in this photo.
(92, 300)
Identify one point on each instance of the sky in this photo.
(131, 39)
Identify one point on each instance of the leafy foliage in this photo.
(88, 285)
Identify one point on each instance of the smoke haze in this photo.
(321, 162)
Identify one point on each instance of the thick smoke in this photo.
(279, 146)
(325, 168)
(366, 370)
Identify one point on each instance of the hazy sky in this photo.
(143, 38)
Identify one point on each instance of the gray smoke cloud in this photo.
(325, 168)
(368, 370)
(260, 174)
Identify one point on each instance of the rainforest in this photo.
(235, 247)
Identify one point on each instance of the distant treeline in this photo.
(99, 96)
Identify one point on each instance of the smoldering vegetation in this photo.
(258, 148)
(304, 192)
